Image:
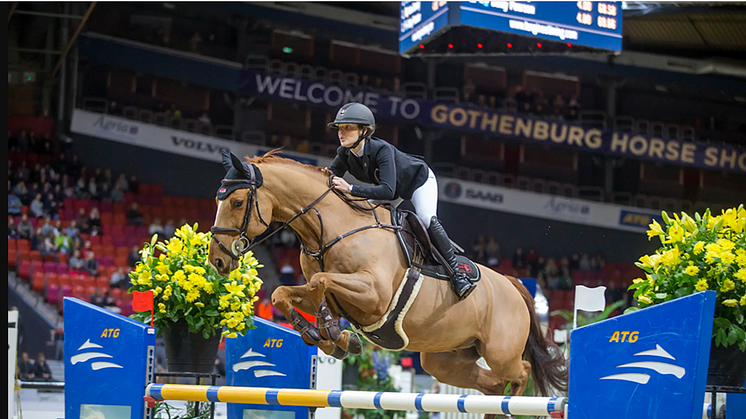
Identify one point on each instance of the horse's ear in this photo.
(227, 163)
(238, 165)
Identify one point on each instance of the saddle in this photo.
(420, 252)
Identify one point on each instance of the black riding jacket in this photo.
(394, 173)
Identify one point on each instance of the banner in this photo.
(170, 140)
(720, 157)
(546, 206)
(451, 190)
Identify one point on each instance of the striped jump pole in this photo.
(506, 405)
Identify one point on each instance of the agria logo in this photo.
(664, 368)
(260, 368)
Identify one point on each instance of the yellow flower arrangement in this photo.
(706, 252)
(186, 286)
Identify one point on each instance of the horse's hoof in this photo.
(339, 353)
(354, 346)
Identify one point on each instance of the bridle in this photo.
(239, 247)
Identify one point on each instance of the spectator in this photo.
(600, 261)
(205, 119)
(288, 238)
(91, 264)
(92, 191)
(37, 207)
(22, 192)
(519, 259)
(114, 108)
(133, 257)
(532, 259)
(169, 229)
(117, 194)
(156, 228)
(575, 262)
(64, 243)
(72, 230)
(585, 263)
(22, 141)
(12, 228)
(98, 299)
(194, 43)
(120, 279)
(122, 183)
(492, 253)
(26, 368)
(478, 249)
(76, 263)
(110, 303)
(25, 228)
(94, 219)
(15, 206)
(134, 216)
(174, 112)
(41, 368)
(87, 248)
(163, 36)
(47, 228)
(134, 185)
(83, 221)
(287, 274)
(52, 205)
(104, 194)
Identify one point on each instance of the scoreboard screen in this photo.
(587, 23)
(420, 20)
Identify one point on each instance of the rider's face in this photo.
(348, 134)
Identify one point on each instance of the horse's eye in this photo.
(237, 204)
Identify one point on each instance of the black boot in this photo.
(460, 283)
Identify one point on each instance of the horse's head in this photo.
(242, 214)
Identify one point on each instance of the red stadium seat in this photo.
(37, 283)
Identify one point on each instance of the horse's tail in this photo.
(549, 366)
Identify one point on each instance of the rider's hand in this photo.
(340, 184)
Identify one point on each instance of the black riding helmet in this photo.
(356, 113)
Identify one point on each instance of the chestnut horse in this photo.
(362, 272)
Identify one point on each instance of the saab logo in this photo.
(86, 356)
(657, 366)
(561, 206)
(484, 195)
(453, 190)
(463, 267)
(637, 219)
(259, 372)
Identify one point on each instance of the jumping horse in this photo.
(355, 268)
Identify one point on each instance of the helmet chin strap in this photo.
(366, 134)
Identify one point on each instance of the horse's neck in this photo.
(295, 190)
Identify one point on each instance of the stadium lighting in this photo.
(422, 46)
(569, 45)
(287, 50)
(510, 45)
(538, 44)
(450, 46)
(479, 46)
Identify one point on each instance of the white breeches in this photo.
(424, 199)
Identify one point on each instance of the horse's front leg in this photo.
(360, 289)
(286, 299)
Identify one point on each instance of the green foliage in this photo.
(372, 367)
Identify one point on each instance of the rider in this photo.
(395, 175)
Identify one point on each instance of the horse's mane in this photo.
(273, 156)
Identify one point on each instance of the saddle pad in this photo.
(388, 332)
